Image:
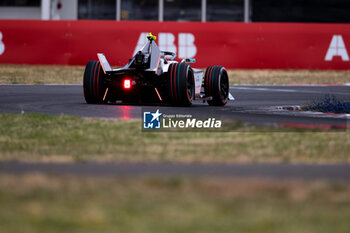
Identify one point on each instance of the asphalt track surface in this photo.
(252, 104)
(271, 171)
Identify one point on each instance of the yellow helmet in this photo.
(151, 37)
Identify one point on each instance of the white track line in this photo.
(291, 85)
(264, 89)
(273, 89)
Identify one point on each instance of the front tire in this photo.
(216, 85)
(181, 84)
(93, 85)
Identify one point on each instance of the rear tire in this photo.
(181, 84)
(216, 85)
(93, 85)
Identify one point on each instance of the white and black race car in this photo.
(153, 76)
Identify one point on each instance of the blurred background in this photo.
(336, 11)
(249, 34)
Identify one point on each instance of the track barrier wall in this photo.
(233, 45)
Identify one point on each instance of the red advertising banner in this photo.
(233, 45)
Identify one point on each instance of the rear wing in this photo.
(104, 63)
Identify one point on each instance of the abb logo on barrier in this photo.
(166, 42)
(2, 45)
(337, 48)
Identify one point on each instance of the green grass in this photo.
(49, 204)
(36, 137)
(38, 74)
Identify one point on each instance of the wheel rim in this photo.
(223, 86)
(189, 86)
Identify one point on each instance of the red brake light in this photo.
(127, 84)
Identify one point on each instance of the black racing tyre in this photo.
(216, 85)
(181, 84)
(93, 85)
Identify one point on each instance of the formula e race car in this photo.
(154, 76)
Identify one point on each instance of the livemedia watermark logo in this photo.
(152, 120)
(156, 120)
